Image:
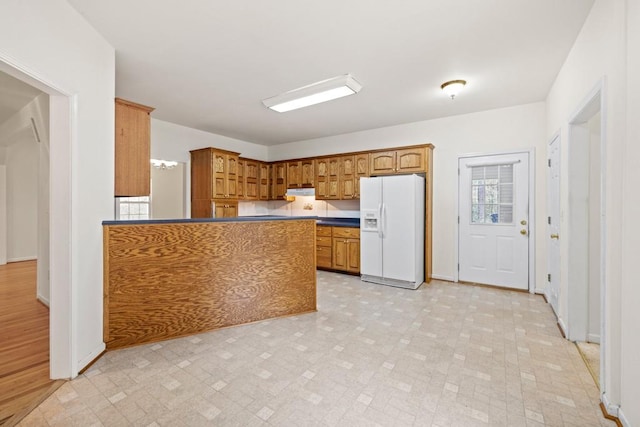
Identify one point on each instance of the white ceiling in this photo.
(208, 64)
(14, 95)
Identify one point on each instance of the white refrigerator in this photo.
(392, 230)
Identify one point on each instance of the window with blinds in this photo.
(492, 194)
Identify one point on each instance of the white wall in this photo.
(168, 192)
(599, 55)
(630, 314)
(513, 128)
(65, 57)
(173, 142)
(22, 198)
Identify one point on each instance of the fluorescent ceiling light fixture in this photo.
(315, 93)
(453, 87)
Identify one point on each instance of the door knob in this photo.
(554, 236)
(523, 222)
(523, 232)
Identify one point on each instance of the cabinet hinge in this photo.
(549, 162)
(549, 277)
(549, 220)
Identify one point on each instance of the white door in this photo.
(553, 224)
(493, 246)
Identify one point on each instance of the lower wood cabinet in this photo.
(225, 209)
(338, 248)
(323, 246)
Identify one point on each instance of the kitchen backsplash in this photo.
(302, 206)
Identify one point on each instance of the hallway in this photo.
(24, 341)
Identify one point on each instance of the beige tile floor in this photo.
(444, 355)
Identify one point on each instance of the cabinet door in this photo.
(322, 178)
(265, 179)
(132, 149)
(224, 209)
(306, 173)
(279, 181)
(361, 170)
(347, 177)
(294, 174)
(323, 256)
(353, 255)
(241, 179)
(231, 177)
(411, 160)
(339, 252)
(382, 162)
(252, 172)
(219, 175)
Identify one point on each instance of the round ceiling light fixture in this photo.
(453, 87)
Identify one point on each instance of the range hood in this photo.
(301, 192)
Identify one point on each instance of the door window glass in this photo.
(492, 194)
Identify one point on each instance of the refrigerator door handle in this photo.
(380, 220)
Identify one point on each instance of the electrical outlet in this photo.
(308, 206)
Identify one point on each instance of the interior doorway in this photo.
(585, 232)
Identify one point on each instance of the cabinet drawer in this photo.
(323, 256)
(347, 232)
(323, 241)
(323, 230)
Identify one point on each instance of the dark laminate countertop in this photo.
(196, 220)
(339, 222)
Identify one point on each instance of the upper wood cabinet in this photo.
(327, 178)
(214, 175)
(352, 168)
(132, 149)
(300, 173)
(241, 179)
(251, 180)
(264, 175)
(278, 180)
(407, 160)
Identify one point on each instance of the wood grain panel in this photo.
(170, 280)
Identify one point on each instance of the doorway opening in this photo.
(62, 116)
(586, 231)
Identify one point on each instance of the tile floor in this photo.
(444, 355)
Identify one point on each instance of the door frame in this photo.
(577, 301)
(547, 289)
(63, 361)
(532, 212)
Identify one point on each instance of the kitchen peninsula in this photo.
(169, 278)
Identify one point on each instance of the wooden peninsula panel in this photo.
(165, 280)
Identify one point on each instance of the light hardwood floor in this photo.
(24, 341)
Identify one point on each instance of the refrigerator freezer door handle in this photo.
(380, 220)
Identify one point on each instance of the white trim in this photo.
(444, 278)
(473, 165)
(623, 419)
(90, 357)
(594, 338)
(585, 110)
(561, 323)
(22, 258)
(63, 114)
(611, 408)
(44, 300)
(532, 212)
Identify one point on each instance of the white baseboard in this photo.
(625, 422)
(563, 327)
(445, 278)
(90, 357)
(612, 409)
(44, 300)
(594, 338)
(24, 258)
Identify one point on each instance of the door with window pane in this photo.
(494, 220)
